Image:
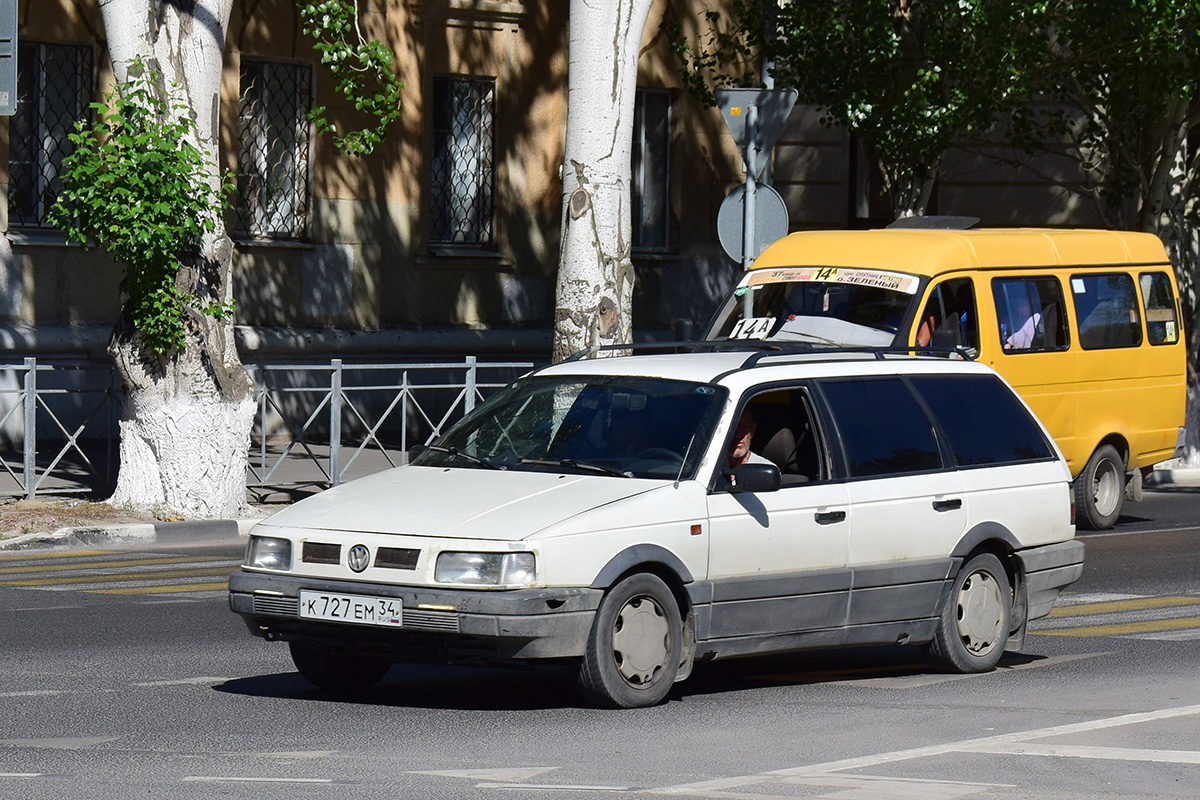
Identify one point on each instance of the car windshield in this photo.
(825, 307)
(617, 426)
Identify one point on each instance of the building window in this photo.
(650, 175)
(273, 141)
(463, 175)
(54, 88)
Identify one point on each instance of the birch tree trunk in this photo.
(185, 427)
(594, 296)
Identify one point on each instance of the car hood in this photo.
(457, 503)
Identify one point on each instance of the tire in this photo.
(1100, 489)
(973, 629)
(635, 646)
(337, 670)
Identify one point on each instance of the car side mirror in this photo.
(754, 478)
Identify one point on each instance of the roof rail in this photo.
(763, 348)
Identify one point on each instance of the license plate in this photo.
(356, 608)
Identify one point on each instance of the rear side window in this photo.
(1107, 309)
(982, 420)
(883, 428)
(1159, 300)
(1031, 314)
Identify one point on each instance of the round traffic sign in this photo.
(770, 220)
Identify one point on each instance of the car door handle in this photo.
(947, 505)
(830, 517)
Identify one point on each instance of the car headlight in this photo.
(267, 552)
(486, 569)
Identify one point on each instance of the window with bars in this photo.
(54, 88)
(463, 176)
(273, 144)
(651, 170)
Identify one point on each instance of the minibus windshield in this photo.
(823, 306)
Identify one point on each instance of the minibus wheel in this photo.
(1100, 489)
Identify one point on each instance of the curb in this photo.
(145, 532)
(1187, 476)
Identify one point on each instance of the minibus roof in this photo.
(935, 251)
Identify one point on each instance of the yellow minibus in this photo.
(1085, 324)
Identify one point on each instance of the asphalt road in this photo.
(134, 680)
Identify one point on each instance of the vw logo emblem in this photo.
(359, 558)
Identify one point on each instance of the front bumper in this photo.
(438, 625)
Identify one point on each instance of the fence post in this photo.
(469, 405)
(335, 422)
(30, 408)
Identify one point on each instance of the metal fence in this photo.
(316, 426)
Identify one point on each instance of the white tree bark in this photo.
(185, 429)
(594, 297)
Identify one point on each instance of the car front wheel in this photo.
(634, 649)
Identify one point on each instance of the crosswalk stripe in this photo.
(1139, 604)
(44, 556)
(193, 587)
(115, 577)
(1133, 627)
(127, 562)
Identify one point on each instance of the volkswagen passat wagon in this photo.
(605, 514)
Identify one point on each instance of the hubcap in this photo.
(641, 641)
(1106, 488)
(980, 613)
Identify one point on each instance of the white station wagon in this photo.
(589, 514)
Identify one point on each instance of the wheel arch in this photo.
(994, 538)
(653, 559)
(1118, 440)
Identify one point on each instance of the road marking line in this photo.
(20, 774)
(1103, 753)
(117, 577)
(1083, 610)
(65, 743)
(38, 693)
(183, 681)
(193, 587)
(1186, 635)
(220, 779)
(562, 787)
(1092, 597)
(965, 746)
(41, 556)
(127, 562)
(1133, 627)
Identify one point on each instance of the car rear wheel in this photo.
(633, 651)
(1100, 489)
(337, 670)
(973, 629)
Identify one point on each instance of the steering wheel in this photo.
(659, 452)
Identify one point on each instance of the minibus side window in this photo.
(949, 318)
(1107, 309)
(1159, 300)
(1030, 314)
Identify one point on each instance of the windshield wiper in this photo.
(568, 462)
(454, 451)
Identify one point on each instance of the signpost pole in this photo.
(751, 158)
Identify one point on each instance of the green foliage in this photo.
(136, 187)
(907, 77)
(362, 71)
(1120, 83)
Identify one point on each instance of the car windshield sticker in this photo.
(894, 281)
(752, 328)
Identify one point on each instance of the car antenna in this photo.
(683, 462)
